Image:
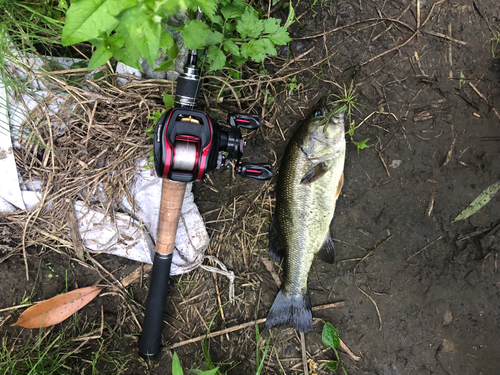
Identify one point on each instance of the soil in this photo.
(421, 293)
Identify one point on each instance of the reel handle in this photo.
(259, 171)
(172, 196)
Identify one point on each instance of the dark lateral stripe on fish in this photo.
(290, 310)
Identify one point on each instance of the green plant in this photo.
(330, 338)
(128, 30)
(360, 145)
(260, 361)
(494, 45)
(177, 368)
(346, 103)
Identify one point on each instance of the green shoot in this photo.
(330, 338)
(347, 101)
(260, 361)
(361, 145)
(494, 45)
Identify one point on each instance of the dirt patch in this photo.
(421, 294)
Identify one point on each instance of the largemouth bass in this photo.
(309, 182)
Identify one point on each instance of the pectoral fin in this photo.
(315, 173)
(276, 249)
(327, 251)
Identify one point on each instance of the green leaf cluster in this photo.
(130, 29)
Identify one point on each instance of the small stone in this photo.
(448, 318)
(395, 164)
(448, 346)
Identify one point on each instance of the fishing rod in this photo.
(187, 145)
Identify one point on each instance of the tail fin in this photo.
(290, 310)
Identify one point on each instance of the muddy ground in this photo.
(421, 294)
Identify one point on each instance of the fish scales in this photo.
(304, 210)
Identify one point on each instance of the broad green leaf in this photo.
(271, 25)
(173, 52)
(100, 57)
(291, 16)
(143, 31)
(207, 6)
(231, 11)
(117, 6)
(257, 49)
(195, 34)
(216, 58)
(116, 41)
(213, 37)
(280, 37)
(231, 47)
(166, 40)
(129, 54)
(165, 65)
(249, 24)
(479, 202)
(168, 100)
(86, 19)
(268, 46)
(176, 366)
(218, 20)
(330, 336)
(333, 365)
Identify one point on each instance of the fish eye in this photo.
(318, 113)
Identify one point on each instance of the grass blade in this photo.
(479, 202)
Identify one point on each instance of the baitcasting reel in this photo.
(188, 144)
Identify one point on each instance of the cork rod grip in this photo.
(172, 196)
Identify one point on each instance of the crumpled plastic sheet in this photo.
(130, 235)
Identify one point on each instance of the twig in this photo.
(137, 273)
(444, 36)
(425, 247)
(376, 307)
(478, 92)
(450, 152)
(348, 351)
(385, 165)
(243, 326)
(304, 353)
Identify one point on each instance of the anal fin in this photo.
(276, 249)
(327, 251)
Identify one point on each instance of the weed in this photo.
(494, 45)
(293, 86)
(330, 338)
(260, 361)
(128, 30)
(346, 103)
(177, 368)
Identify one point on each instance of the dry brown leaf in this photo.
(56, 309)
